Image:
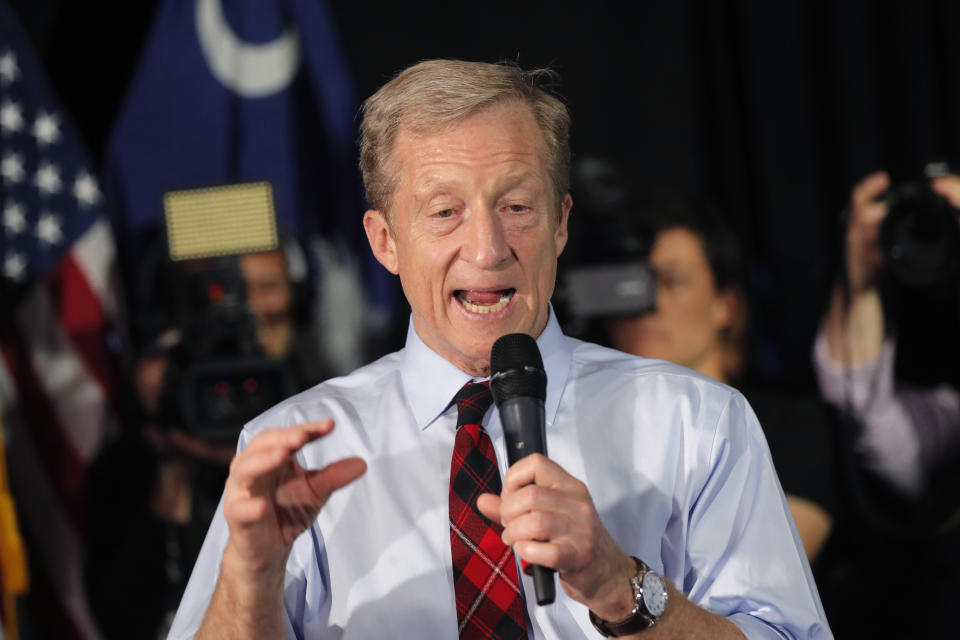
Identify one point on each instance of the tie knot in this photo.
(472, 400)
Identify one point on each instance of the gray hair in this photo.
(436, 94)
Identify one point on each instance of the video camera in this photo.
(218, 376)
(610, 290)
(603, 273)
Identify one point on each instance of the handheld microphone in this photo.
(519, 386)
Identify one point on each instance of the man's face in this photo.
(474, 232)
(269, 292)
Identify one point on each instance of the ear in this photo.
(560, 235)
(382, 242)
(727, 307)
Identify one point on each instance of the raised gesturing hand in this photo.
(270, 499)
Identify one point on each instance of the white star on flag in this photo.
(14, 218)
(58, 312)
(11, 119)
(48, 179)
(48, 229)
(9, 71)
(11, 168)
(14, 266)
(46, 129)
(85, 189)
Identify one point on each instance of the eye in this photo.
(671, 280)
(445, 213)
(517, 208)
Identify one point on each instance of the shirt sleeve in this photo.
(299, 614)
(746, 559)
(905, 432)
(203, 579)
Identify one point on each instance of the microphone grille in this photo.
(514, 351)
(516, 368)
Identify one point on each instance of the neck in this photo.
(275, 338)
(712, 365)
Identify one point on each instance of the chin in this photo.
(650, 351)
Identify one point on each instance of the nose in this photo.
(486, 243)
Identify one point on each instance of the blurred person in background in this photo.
(886, 355)
(153, 490)
(699, 320)
(909, 431)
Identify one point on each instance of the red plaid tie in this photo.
(484, 571)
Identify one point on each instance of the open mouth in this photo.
(484, 301)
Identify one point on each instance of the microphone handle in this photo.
(544, 585)
(523, 428)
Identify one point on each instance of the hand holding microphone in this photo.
(519, 386)
(561, 519)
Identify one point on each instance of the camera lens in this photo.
(920, 236)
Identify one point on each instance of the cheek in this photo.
(271, 302)
(686, 308)
(423, 287)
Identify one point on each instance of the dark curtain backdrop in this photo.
(772, 109)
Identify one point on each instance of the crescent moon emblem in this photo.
(249, 70)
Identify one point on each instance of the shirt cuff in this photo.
(755, 628)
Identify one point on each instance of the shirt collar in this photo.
(430, 381)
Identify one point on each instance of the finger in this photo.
(271, 450)
(537, 469)
(546, 554)
(539, 526)
(249, 466)
(246, 511)
(535, 497)
(323, 482)
(868, 217)
(291, 437)
(949, 188)
(301, 495)
(489, 505)
(869, 188)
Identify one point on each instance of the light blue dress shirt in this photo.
(676, 464)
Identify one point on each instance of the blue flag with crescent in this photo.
(240, 90)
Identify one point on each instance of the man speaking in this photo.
(379, 504)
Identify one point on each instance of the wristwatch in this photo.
(650, 596)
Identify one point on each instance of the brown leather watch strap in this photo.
(637, 621)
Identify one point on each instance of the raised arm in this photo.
(269, 500)
(904, 432)
(853, 326)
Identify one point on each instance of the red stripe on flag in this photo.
(63, 464)
(82, 319)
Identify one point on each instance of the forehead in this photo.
(678, 245)
(265, 263)
(504, 137)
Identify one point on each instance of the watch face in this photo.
(654, 594)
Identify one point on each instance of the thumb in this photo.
(323, 482)
(489, 505)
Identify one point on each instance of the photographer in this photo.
(907, 432)
(886, 354)
(153, 489)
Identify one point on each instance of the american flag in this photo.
(57, 304)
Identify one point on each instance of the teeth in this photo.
(481, 308)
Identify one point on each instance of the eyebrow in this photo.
(512, 180)
(668, 264)
(430, 187)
